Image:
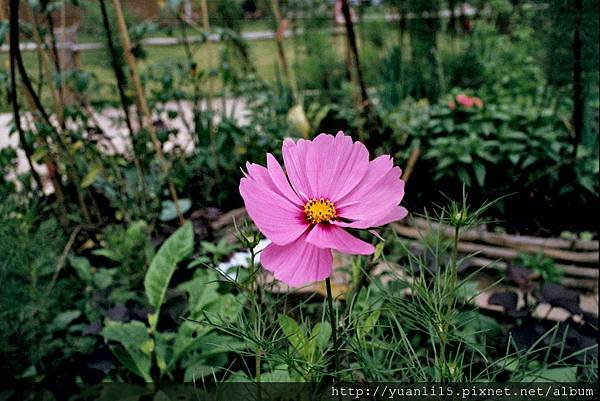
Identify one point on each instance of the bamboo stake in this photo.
(209, 99)
(569, 270)
(121, 85)
(58, 106)
(14, 24)
(143, 105)
(480, 234)
(507, 253)
(282, 24)
(15, 103)
(410, 165)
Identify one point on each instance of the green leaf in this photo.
(464, 176)
(189, 336)
(292, 331)
(559, 375)
(91, 176)
(107, 253)
(227, 308)
(132, 334)
(136, 348)
(479, 173)
(177, 247)
(82, 267)
(62, 320)
(319, 338)
(201, 290)
(169, 211)
(135, 361)
(278, 375)
(369, 323)
(103, 278)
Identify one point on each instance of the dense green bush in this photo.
(509, 144)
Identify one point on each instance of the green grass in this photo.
(97, 62)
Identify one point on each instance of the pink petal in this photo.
(331, 236)
(319, 165)
(377, 194)
(327, 166)
(280, 180)
(398, 213)
(275, 216)
(295, 164)
(297, 263)
(351, 165)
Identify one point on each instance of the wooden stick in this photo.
(210, 95)
(143, 105)
(570, 270)
(507, 253)
(480, 234)
(584, 277)
(410, 165)
(58, 105)
(282, 24)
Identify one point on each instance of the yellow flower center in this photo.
(319, 211)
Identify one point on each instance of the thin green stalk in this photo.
(454, 267)
(254, 310)
(336, 347)
(450, 296)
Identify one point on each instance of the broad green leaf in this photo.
(371, 321)
(319, 338)
(132, 335)
(82, 267)
(464, 176)
(169, 211)
(177, 247)
(559, 375)
(227, 307)
(198, 369)
(91, 176)
(277, 375)
(136, 361)
(189, 336)
(103, 278)
(163, 345)
(62, 320)
(107, 253)
(479, 173)
(201, 290)
(292, 331)
(137, 346)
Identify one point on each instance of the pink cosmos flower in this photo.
(464, 100)
(469, 101)
(328, 185)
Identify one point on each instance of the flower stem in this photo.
(254, 310)
(451, 295)
(336, 347)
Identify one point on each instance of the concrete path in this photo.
(117, 139)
